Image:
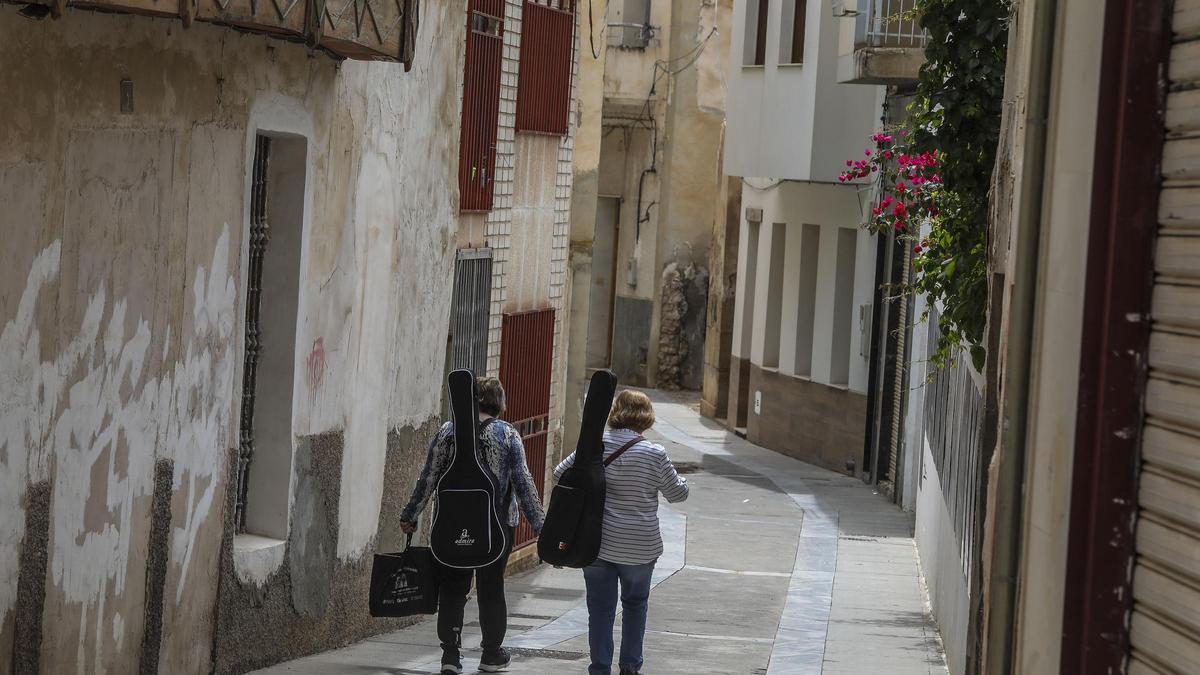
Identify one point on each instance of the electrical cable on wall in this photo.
(661, 68)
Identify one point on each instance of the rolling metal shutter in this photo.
(1165, 629)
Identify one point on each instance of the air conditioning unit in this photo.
(843, 8)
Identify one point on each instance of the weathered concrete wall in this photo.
(316, 600)
(122, 304)
(584, 192)
(667, 165)
(722, 291)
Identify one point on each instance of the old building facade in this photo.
(229, 264)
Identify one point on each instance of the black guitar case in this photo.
(468, 521)
(570, 536)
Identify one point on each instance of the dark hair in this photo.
(632, 410)
(491, 396)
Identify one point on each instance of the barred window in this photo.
(547, 54)
(481, 104)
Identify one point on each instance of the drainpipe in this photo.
(1009, 487)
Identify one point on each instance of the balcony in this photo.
(375, 30)
(880, 42)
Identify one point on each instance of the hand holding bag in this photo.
(404, 583)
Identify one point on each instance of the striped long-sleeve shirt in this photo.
(630, 535)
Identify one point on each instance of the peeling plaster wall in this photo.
(121, 328)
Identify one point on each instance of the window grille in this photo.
(260, 235)
(547, 53)
(526, 360)
(481, 104)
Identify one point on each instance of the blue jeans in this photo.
(601, 578)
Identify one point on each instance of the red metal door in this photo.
(526, 359)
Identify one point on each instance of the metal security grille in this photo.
(470, 309)
(481, 104)
(526, 359)
(547, 51)
(953, 422)
(260, 235)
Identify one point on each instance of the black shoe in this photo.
(451, 664)
(626, 671)
(495, 662)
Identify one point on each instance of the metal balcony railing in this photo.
(888, 23)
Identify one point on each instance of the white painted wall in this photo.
(832, 208)
(794, 121)
(941, 565)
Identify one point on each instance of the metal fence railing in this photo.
(889, 23)
(953, 427)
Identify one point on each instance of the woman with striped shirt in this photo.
(630, 540)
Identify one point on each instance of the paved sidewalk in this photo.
(772, 567)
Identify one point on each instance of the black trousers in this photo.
(489, 591)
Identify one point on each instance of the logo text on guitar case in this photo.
(464, 539)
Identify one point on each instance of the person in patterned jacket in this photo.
(500, 446)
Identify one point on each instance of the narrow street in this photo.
(771, 566)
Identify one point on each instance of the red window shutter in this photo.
(481, 104)
(526, 363)
(547, 53)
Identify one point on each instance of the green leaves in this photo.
(957, 111)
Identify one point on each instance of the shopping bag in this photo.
(404, 583)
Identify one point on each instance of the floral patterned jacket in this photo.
(501, 448)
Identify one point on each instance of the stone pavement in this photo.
(772, 567)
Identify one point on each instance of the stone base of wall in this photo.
(739, 392)
(812, 422)
(315, 601)
(523, 560)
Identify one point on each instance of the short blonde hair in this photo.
(632, 410)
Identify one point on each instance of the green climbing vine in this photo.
(948, 145)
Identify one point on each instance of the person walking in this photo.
(636, 472)
(501, 449)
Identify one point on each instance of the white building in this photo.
(806, 270)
